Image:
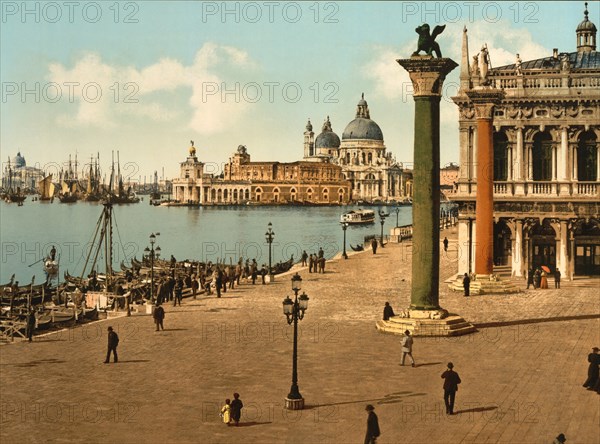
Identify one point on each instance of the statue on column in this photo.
(484, 64)
(427, 42)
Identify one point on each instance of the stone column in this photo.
(517, 249)
(463, 246)
(427, 75)
(575, 155)
(484, 100)
(519, 189)
(562, 249)
(529, 147)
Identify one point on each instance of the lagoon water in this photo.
(28, 233)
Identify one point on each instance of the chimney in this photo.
(555, 53)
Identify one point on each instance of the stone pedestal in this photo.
(294, 404)
(426, 323)
(485, 284)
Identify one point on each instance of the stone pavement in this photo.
(522, 371)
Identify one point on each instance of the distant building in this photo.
(269, 182)
(17, 173)
(546, 164)
(374, 174)
(449, 179)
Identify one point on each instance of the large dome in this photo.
(362, 127)
(327, 138)
(18, 161)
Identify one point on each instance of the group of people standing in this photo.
(538, 278)
(316, 261)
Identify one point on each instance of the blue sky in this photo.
(147, 77)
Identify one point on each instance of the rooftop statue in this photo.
(427, 42)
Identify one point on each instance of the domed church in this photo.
(374, 174)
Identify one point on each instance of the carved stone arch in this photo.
(555, 132)
(511, 134)
(574, 132)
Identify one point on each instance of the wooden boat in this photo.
(46, 188)
(282, 267)
(356, 217)
(357, 248)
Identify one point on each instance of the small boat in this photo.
(282, 267)
(355, 217)
(357, 248)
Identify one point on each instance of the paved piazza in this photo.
(522, 371)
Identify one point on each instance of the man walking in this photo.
(236, 408)
(445, 244)
(372, 425)
(374, 245)
(30, 324)
(159, 316)
(467, 284)
(304, 257)
(407, 343)
(451, 381)
(113, 342)
(557, 278)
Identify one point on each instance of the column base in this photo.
(485, 284)
(426, 323)
(294, 404)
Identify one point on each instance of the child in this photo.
(226, 412)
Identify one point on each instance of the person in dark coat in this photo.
(445, 244)
(467, 284)
(451, 381)
(159, 316)
(388, 311)
(304, 257)
(557, 278)
(311, 262)
(537, 278)
(373, 431)
(374, 245)
(218, 281)
(113, 342)
(30, 325)
(530, 278)
(178, 292)
(593, 369)
(254, 271)
(236, 408)
(560, 439)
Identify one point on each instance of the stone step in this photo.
(451, 326)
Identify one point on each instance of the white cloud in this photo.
(131, 92)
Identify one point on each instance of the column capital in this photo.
(427, 74)
(484, 100)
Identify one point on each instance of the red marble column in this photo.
(484, 100)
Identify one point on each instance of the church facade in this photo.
(546, 164)
(361, 153)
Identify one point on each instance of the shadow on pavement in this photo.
(477, 409)
(252, 423)
(425, 364)
(132, 361)
(535, 321)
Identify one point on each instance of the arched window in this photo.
(370, 158)
(276, 194)
(587, 157)
(293, 194)
(501, 156)
(258, 193)
(542, 157)
(348, 158)
(309, 194)
(326, 194)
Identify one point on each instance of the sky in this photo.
(146, 77)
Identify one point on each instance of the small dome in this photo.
(309, 126)
(361, 128)
(18, 161)
(327, 138)
(362, 101)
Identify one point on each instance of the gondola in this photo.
(282, 267)
(357, 248)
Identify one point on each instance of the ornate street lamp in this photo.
(382, 216)
(152, 253)
(269, 235)
(344, 227)
(294, 311)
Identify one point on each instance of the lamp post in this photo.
(269, 235)
(397, 214)
(344, 227)
(294, 311)
(382, 216)
(152, 253)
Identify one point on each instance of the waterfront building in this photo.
(22, 176)
(244, 181)
(546, 162)
(374, 173)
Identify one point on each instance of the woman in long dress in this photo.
(544, 280)
(226, 412)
